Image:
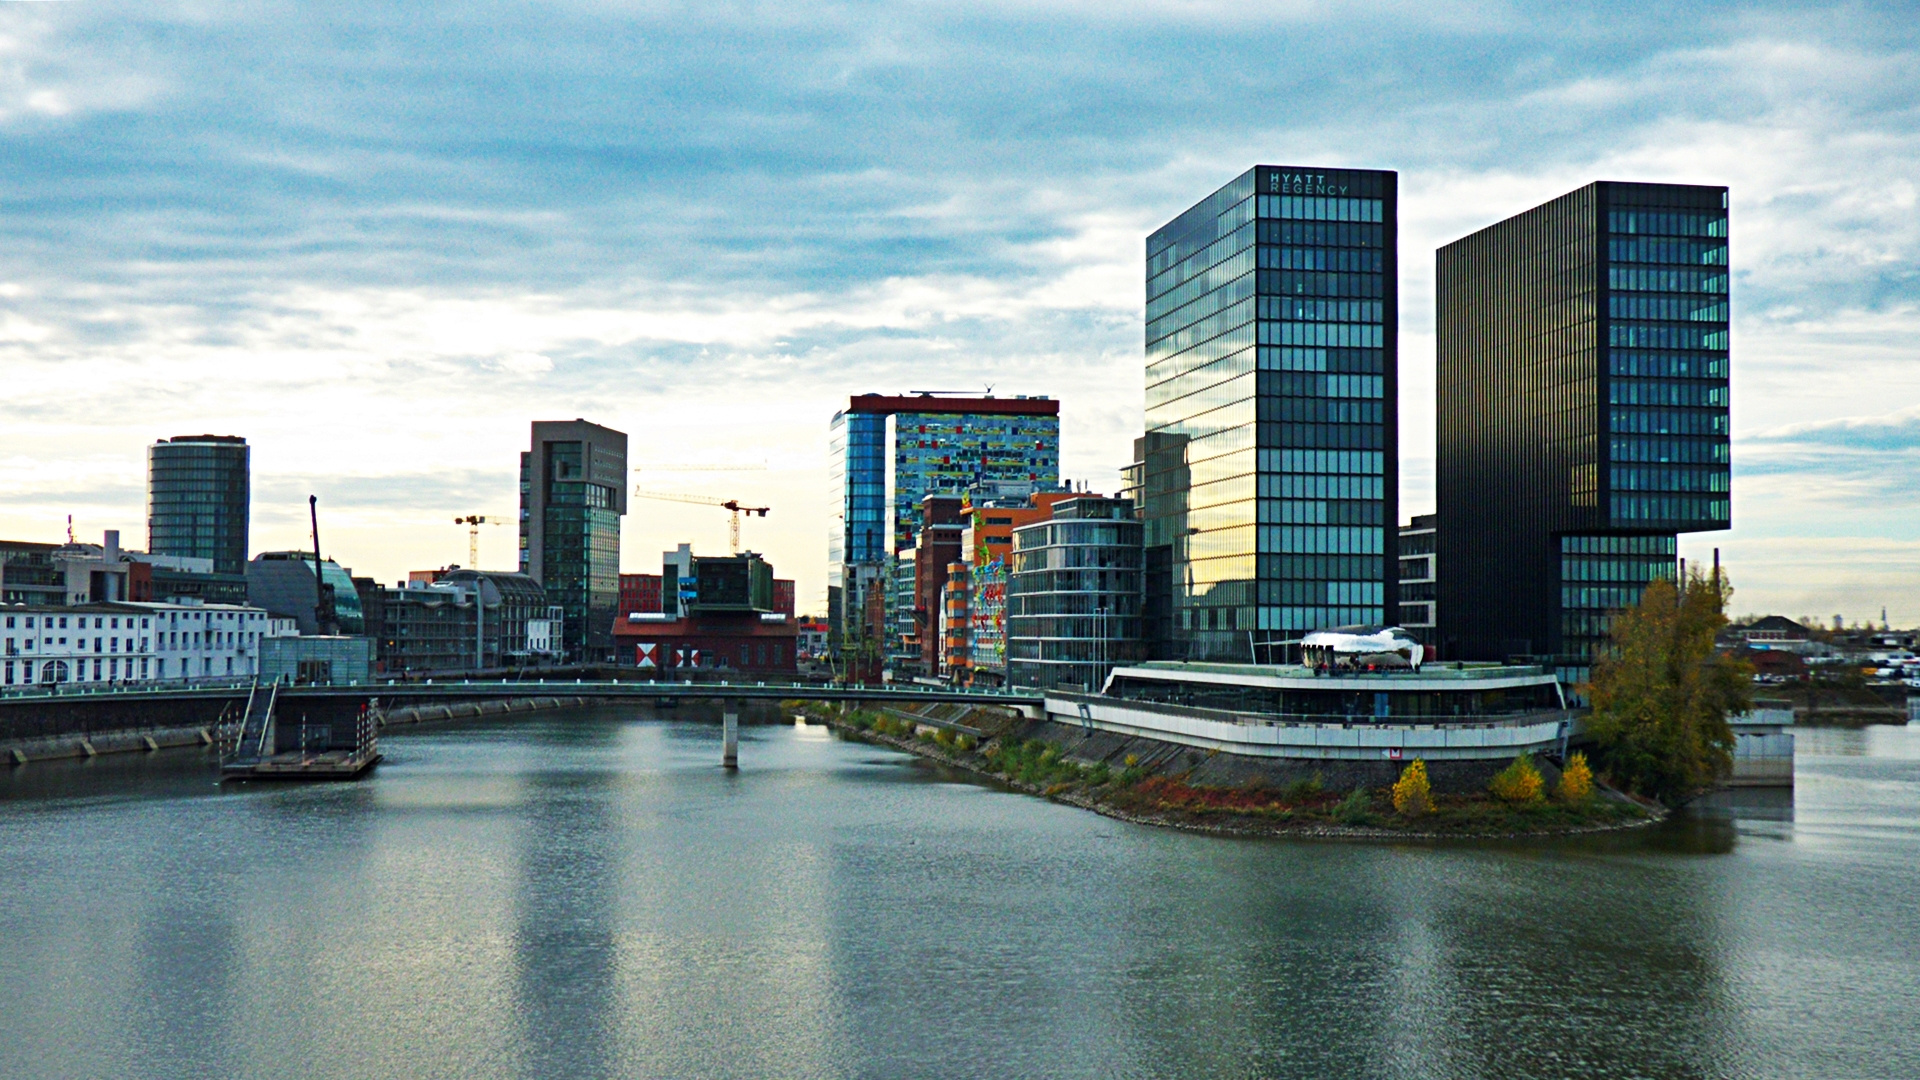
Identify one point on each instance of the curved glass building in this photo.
(199, 498)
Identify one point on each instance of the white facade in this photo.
(129, 643)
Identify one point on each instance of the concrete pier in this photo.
(730, 734)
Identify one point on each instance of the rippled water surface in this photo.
(587, 894)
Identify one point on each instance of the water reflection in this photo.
(590, 895)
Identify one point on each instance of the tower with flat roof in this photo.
(573, 492)
(1268, 473)
(1583, 413)
(199, 496)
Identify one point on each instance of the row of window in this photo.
(1640, 569)
(1123, 598)
(1310, 208)
(1322, 234)
(1330, 436)
(1657, 478)
(1683, 308)
(1671, 508)
(1692, 392)
(1322, 410)
(1666, 223)
(1311, 283)
(1288, 384)
(1322, 592)
(1700, 451)
(1363, 462)
(1213, 326)
(1680, 252)
(1601, 597)
(1321, 512)
(1321, 567)
(1297, 619)
(1666, 336)
(1669, 365)
(1304, 310)
(1343, 361)
(105, 669)
(1334, 260)
(1667, 421)
(1618, 545)
(1336, 335)
(1667, 279)
(1320, 540)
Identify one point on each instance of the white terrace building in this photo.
(128, 642)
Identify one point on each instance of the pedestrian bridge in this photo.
(84, 714)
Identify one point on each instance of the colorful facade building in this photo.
(887, 454)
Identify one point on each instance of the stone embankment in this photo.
(145, 739)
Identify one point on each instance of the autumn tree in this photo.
(1662, 693)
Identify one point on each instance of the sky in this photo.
(378, 240)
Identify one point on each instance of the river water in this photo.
(588, 894)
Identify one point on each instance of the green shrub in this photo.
(1099, 774)
(1303, 789)
(1356, 808)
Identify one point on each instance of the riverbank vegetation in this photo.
(1519, 802)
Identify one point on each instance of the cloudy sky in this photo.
(378, 239)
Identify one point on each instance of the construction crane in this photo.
(473, 523)
(734, 505)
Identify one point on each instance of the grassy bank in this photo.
(1164, 796)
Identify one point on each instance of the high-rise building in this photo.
(198, 499)
(1268, 471)
(573, 491)
(890, 452)
(1583, 388)
(1419, 580)
(1073, 597)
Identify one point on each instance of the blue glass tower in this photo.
(1268, 472)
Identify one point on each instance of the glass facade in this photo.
(199, 499)
(1583, 420)
(1073, 595)
(1268, 470)
(572, 497)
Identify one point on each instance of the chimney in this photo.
(111, 546)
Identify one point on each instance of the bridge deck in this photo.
(587, 688)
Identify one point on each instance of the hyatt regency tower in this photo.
(1267, 474)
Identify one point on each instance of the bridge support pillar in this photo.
(729, 734)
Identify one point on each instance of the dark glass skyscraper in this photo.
(1583, 390)
(573, 491)
(199, 498)
(1268, 471)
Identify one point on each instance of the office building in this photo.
(1583, 387)
(1419, 578)
(573, 492)
(725, 615)
(1073, 595)
(1268, 469)
(430, 623)
(887, 453)
(199, 499)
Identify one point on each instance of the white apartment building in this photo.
(130, 643)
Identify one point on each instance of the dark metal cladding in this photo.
(1582, 413)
